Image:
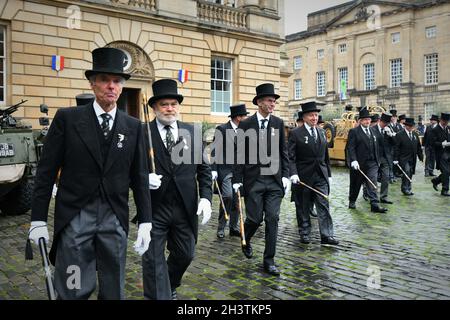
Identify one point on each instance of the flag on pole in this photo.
(183, 75)
(343, 94)
(57, 63)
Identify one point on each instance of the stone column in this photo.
(380, 75)
(330, 57)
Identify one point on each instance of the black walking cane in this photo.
(47, 270)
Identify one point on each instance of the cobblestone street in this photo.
(409, 246)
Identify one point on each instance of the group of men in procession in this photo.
(99, 152)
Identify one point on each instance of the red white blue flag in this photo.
(57, 63)
(183, 75)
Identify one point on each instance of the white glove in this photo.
(389, 131)
(295, 179)
(395, 162)
(236, 187)
(286, 185)
(355, 165)
(54, 191)
(214, 175)
(143, 238)
(204, 205)
(445, 144)
(38, 229)
(154, 181)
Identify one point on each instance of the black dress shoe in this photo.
(329, 240)
(435, 184)
(234, 233)
(174, 294)
(432, 174)
(409, 193)
(247, 250)
(378, 209)
(386, 201)
(305, 239)
(351, 205)
(445, 193)
(220, 234)
(272, 269)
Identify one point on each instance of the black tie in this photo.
(313, 133)
(263, 121)
(367, 132)
(105, 124)
(169, 138)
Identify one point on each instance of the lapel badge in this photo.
(273, 132)
(185, 147)
(306, 139)
(121, 138)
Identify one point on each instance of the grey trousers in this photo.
(263, 202)
(406, 185)
(430, 159)
(230, 199)
(171, 227)
(370, 168)
(384, 174)
(308, 198)
(94, 242)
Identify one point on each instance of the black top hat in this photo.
(107, 60)
(348, 107)
(310, 107)
(409, 122)
(401, 117)
(364, 113)
(84, 98)
(265, 90)
(165, 89)
(375, 117)
(434, 117)
(445, 116)
(300, 115)
(386, 117)
(393, 112)
(238, 110)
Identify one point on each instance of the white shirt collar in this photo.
(308, 128)
(260, 117)
(98, 111)
(379, 128)
(163, 131)
(233, 125)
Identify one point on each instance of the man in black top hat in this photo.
(440, 138)
(310, 164)
(430, 159)
(222, 167)
(363, 155)
(102, 154)
(407, 149)
(299, 120)
(264, 174)
(181, 175)
(401, 121)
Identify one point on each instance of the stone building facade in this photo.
(227, 47)
(373, 53)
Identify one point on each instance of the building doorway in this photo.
(129, 102)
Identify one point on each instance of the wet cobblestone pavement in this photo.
(408, 248)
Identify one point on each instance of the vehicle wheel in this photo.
(18, 200)
(330, 133)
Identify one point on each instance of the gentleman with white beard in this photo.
(174, 194)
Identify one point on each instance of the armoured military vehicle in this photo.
(20, 148)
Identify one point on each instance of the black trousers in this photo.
(444, 166)
(263, 202)
(230, 200)
(307, 199)
(407, 166)
(171, 227)
(430, 159)
(370, 168)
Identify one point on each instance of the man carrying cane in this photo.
(222, 169)
(175, 187)
(101, 153)
(407, 149)
(363, 159)
(309, 163)
(264, 174)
